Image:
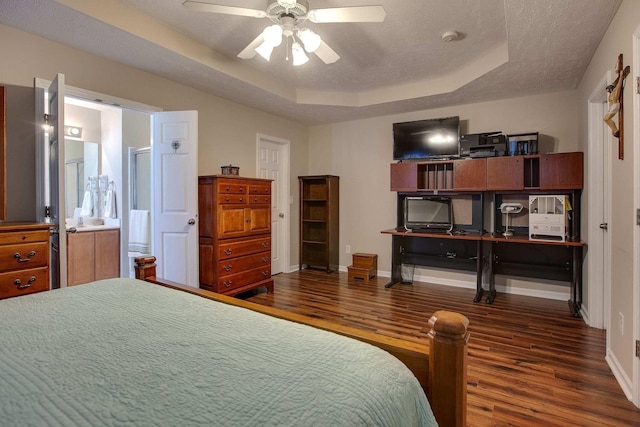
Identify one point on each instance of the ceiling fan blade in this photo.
(228, 10)
(250, 51)
(348, 14)
(326, 54)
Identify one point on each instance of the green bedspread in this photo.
(125, 352)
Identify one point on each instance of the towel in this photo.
(139, 231)
(110, 204)
(87, 204)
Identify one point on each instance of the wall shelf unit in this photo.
(319, 216)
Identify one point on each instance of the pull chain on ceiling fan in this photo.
(286, 15)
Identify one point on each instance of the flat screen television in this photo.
(426, 139)
(428, 213)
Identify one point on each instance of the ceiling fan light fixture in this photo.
(265, 49)
(287, 4)
(310, 40)
(299, 57)
(273, 35)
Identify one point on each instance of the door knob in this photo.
(281, 215)
(191, 221)
(604, 226)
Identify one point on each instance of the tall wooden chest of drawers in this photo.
(235, 233)
(24, 258)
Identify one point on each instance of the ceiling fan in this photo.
(286, 16)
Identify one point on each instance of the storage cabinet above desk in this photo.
(510, 173)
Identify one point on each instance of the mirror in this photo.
(81, 161)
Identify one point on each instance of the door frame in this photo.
(599, 196)
(41, 150)
(285, 195)
(635, 377)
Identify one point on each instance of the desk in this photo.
(461, 251)
(520, 256)
(517, 255)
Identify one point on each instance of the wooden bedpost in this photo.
(448, 367)
(145, 267)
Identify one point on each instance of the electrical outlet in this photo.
(347, 249)
(621, 323)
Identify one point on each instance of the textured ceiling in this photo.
(508, 48)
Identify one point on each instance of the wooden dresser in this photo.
(235, 233)
(24, 258)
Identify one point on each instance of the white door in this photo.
(175, 196)
(56, 182)
(273, 163)
(599, 208)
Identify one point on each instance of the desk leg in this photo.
(576, 282)
(492, 276)
(396, 261)
(479, 262)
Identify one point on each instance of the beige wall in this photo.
(618, 39)
(227, 130)
(360, 152)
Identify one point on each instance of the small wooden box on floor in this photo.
(365, 266)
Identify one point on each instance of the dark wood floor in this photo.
(530, 363)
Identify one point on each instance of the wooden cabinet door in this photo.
(561, 171)
(505, 173)
(259, 219)
(404, 176)
(107, 254)
(80, 258)
(231, 221)
(470, 174)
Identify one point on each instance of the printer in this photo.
(490, 144)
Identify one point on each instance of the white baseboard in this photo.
(625, 382)
(559, 296)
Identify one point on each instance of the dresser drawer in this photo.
(236, 248)
(23, 282)
(259, 200)
(24, 237)
(27, 255)
(231, 188)
(238, 280)
(260, 189)
(232, 199)
(244, 263)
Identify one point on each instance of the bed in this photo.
(130, 352)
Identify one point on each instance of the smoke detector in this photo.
(450, 36)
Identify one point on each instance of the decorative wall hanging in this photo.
(616, 105)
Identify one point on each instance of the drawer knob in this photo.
(227, 189)
(228, 284)
(227, 251)
(227, 267)
(265, 244)
(241, 199)
(227, 199)
(265, 259)
(28, 258)
(19, 284)
(248, 220)
(265, 273)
